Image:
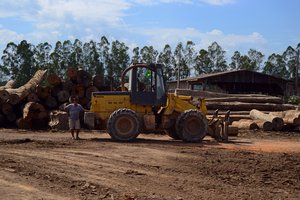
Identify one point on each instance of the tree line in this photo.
(21, 61)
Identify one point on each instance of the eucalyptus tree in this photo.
(76, 55)
(136, 58)
(57, 60)
(104, 55)
(118, 59)
(256, 59)
(91, 58)
(148, 54)
(180, 63)
(275, 66)
(11, 61)
(189, 57)
(26, 63)
(202, 63)
(42, 56)
(166, 58)
(217, 58)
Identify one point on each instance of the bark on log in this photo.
(8, 85)
(59, 120)
(30, 86)
(270, 99)
(54, 79)
(55, 90)
(237, 106)
(245, 124)
(84, 78)
(43, 92)
(72, 73)
(264, 125)
(276, 121)
(2, 120)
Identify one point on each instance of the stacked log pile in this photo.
(250, 111)
(34, 104)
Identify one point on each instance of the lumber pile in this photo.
(36, 104)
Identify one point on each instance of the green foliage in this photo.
(293, 100)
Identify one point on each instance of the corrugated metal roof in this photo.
(204, 76)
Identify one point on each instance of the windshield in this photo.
(160, 84)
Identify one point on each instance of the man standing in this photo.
(74, 109)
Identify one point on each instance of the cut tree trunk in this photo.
(89, 91)
(276, 121)
(63, 96)
(43, 92)
(54, 79)
(33, 110)
(7, 108)
(32, 97)
(237, 106)
(23, 91)
(264, 125)
(72, 73)
(51, 102)
(78, 90)
(290, 117)
(98, 81)
(245, 124)
(8, 85)
(4, 95)
(84, 78)
(246, 99)
(23, 124)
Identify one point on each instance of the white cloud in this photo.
(218, 2)
(7, 36)
(159, 37)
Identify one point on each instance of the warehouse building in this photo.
(237, 82)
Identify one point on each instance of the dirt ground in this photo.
(49, 165)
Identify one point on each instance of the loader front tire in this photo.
(172, 133)
(123, 125)
(191, 126)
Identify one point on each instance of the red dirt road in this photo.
(49, 165)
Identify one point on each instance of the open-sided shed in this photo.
(237, 81)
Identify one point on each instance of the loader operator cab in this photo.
(145, 84)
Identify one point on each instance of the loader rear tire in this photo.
(191, 126)
(123, 125)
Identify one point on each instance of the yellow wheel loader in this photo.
(144, 106)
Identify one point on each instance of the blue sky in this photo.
(269, 26)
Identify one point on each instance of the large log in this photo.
(2, 120)
(72, 73)
(78, 90)
(276, 121)
(33, 110)
(22, 92)
(4, 95)
(63, 96)
(51, 102)
(264, 125)
(23, 124)
(84, 78)
(245, 124)
(89, 91)
(98, 81)
(54, 79)
(33, 97)
(246, 99)
(290, 117)
(43, 92)
(237, 106)
(7, 108)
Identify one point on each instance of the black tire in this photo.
(123, 125)
(191, 126)
(172, 133)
